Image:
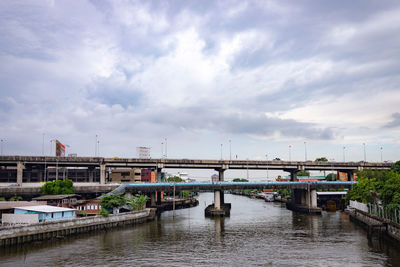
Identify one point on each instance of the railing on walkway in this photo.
(377, 210)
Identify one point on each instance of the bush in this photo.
(109, 202)
(104, 212)
(138, 202)
(58, 187)
(15, 198)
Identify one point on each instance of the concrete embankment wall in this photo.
(48, 230)
(375, 224)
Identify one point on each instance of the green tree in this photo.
(303, 173)
(58, 187)
(396, 166)
(2, 199)
(321, 159)
(109, 202)
(175, 179)
(331, 177)
(15, 198)
(372, 183)
(137, 202)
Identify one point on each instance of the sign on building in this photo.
(143, 152)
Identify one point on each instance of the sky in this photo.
(199, 79)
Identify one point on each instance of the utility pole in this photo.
(95, 147)
(365, 154)
(43, 145)
(221, 151)
(290, 152)
(344, 157)
(305, 151)
(166, 148)
(230, 149)
(2, 140)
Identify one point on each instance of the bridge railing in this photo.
(377, 210)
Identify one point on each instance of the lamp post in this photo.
(365, 154)
(2, 140)
(51, 145)
(290, 152)
(381, 154)
(344, 157)
(166, 148)
(305, 151)
(230, 149)
(162, 149)
(266, 158)
(95, 146)
(221, 151)
(43, 145)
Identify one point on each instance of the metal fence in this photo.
(377, 210)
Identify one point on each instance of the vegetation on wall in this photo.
(109, 202)
(137, 202)
(58, 187)
(375, 185)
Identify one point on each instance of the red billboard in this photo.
(60, 149)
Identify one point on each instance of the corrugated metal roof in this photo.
(6, 205)
(44, 208)
(51, 197)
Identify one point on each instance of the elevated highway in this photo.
(101, 165)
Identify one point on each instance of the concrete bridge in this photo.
(40, 163)
(304, 194)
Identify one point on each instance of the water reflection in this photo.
(256, 233)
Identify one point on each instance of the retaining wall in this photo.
(60, 229)
(375, 224)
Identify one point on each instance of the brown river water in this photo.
(256, 234)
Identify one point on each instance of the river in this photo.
(256, 234)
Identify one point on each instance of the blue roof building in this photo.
(47, 213)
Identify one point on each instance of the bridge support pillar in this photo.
(217, 199)
(350, 175)
(102, 173)
(219, 208)
(293, 174)
(304, 200)
(20, 172)
(158, 196)
(152, 199)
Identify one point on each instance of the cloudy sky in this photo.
(263, 74)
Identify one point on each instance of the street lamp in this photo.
(51, 145)
(305, 151)
(365, 155)
(162, 149)
(2, 140)
(221, 151)
(166, 148)
(230, 149)
(95, 147)
(43, 145)
(266, 158)
(290, 152)
(381, 154)
(344, 157)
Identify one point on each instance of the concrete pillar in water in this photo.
(20, 172)
(313, 194)
(153, 198)
(221, 179)
(350, 175)
(158, 198)
(217, 199)
(102, 173)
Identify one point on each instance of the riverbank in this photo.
(61, 229)
(375, 225)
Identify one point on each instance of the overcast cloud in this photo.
(264, 74)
